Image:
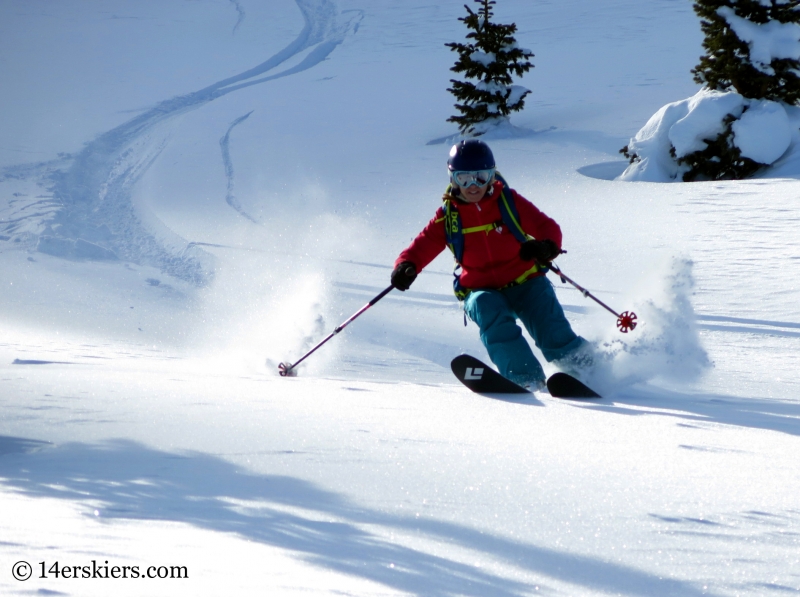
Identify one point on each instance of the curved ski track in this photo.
(224, 145)
(92, 214)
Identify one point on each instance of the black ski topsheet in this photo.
(563, 385)
(481, 378)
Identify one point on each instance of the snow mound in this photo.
(763, 133)
(763, 130)
(703, 120)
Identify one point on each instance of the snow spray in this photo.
(666, 346)
(293, 321)
(261, 307)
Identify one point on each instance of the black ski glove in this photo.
(543, 251)
(403, 275)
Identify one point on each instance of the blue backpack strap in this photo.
(454, 234)
(508, 211)
(453, 231)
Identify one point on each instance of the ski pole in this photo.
(287, 369)
(626, 320)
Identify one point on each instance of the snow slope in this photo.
(191, 192)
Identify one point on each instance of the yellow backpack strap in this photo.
(485, 228)
(525, 275)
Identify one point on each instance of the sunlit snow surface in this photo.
(220, 183)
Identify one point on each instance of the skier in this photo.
(502, 244)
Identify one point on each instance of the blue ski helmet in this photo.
(470, 154)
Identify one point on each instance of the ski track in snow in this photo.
(91, 213)
(224, 144)
(240, 11)
(749, 326)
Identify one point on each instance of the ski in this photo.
(563, 385)
(482, 379)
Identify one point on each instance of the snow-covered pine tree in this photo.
(751, 48)
(489, 58)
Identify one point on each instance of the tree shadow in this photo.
(604, 170)
(133, 481)
(20, 445)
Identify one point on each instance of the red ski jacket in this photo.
(491, 258)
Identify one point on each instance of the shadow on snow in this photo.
(133, 481)
(757, 413)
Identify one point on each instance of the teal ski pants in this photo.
(535, 304)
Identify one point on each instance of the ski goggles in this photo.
(468, 178)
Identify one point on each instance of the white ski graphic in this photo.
(473, 373)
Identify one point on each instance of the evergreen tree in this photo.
(753, 49)
(489, 57)
(730, 63)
